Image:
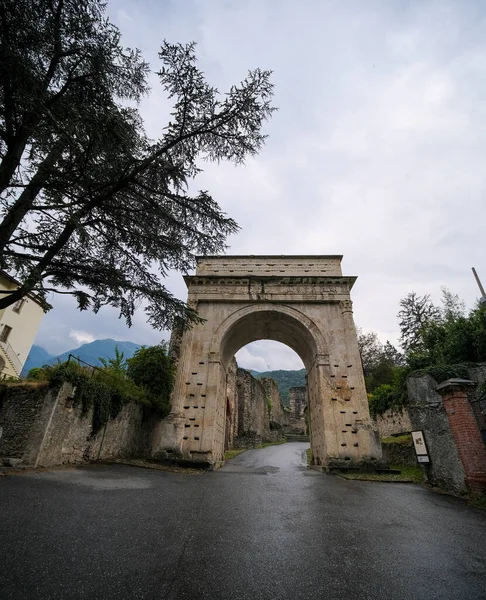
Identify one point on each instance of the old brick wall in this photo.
(43, 428)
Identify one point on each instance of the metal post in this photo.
(478, 281)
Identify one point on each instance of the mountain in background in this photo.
(90, 353)
(37, 358)
(284, 380)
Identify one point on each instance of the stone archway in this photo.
(301, 301)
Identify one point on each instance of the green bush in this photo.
(151, 369)
(105, 389)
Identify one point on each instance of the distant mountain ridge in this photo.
(284, 380)
(90, 353)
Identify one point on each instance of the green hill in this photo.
(284, 380)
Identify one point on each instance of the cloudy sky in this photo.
(377, 151)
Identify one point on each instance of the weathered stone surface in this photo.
(40, 428)
(400, 454)
(297, 401)
(301, 301)
(11, 462)
(427, 414)
(456, 395)
(253, 410)
(393, 422)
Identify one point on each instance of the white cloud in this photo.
(377, 151)
(81, 337)
(268, 355)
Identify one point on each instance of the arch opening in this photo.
(286, 415)
(270, 324)
(268, 355)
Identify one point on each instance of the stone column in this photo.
(465, 431)
(367, 445)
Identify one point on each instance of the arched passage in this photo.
(278, 322)
(300, 301)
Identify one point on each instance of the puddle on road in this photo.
(96, 480)
(265, 470)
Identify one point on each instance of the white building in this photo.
(19, 323)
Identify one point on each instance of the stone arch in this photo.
(301, 301)
(274, 322)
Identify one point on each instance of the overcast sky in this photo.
(377, 151)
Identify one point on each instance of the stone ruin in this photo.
(298, 406)
(254, 413)
(301, 301)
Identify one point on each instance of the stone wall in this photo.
(24, 412)
(277, 412)
(400, 452)
(253, 413)
(393, 422)
(298, 405)
(42, 428)
(297, 400)
(260, 411)
(427, 413)
(231, 405)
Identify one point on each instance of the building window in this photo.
(5, 333)
(17, 307)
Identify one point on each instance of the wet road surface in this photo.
(262, 528)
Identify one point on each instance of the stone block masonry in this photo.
(301, 301)
(43, 427)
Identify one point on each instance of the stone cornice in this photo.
(273, 280)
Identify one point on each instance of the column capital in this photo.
(346, 306)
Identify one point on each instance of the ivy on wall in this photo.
(146, 379)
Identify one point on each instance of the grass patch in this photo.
(401, 440)
(232, 453)
(309, 456)
(407, 475)
(479, 502)
(265, 444)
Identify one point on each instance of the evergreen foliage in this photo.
(379, 361)
(284, 380)
(440, 341)
(90, 205)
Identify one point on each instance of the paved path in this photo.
(262, 528)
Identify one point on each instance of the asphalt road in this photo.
(262, 528)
